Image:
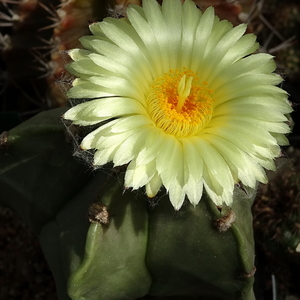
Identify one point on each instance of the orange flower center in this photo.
(179, 104)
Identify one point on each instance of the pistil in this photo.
(183, 90)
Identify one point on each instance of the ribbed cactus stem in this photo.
(227, 219)
(244, 255)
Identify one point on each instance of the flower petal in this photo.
(153, 186)
(95, 111)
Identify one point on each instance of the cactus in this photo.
(91, 230)
(34, 35)
(142, 248)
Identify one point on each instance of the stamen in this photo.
(179, 104)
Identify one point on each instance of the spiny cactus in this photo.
(34, 35)
(23, 82)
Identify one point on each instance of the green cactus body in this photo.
(187, 253)
(139, 250)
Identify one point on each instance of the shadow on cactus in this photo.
(171, 108)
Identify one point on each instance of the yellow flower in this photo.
(185, 105)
